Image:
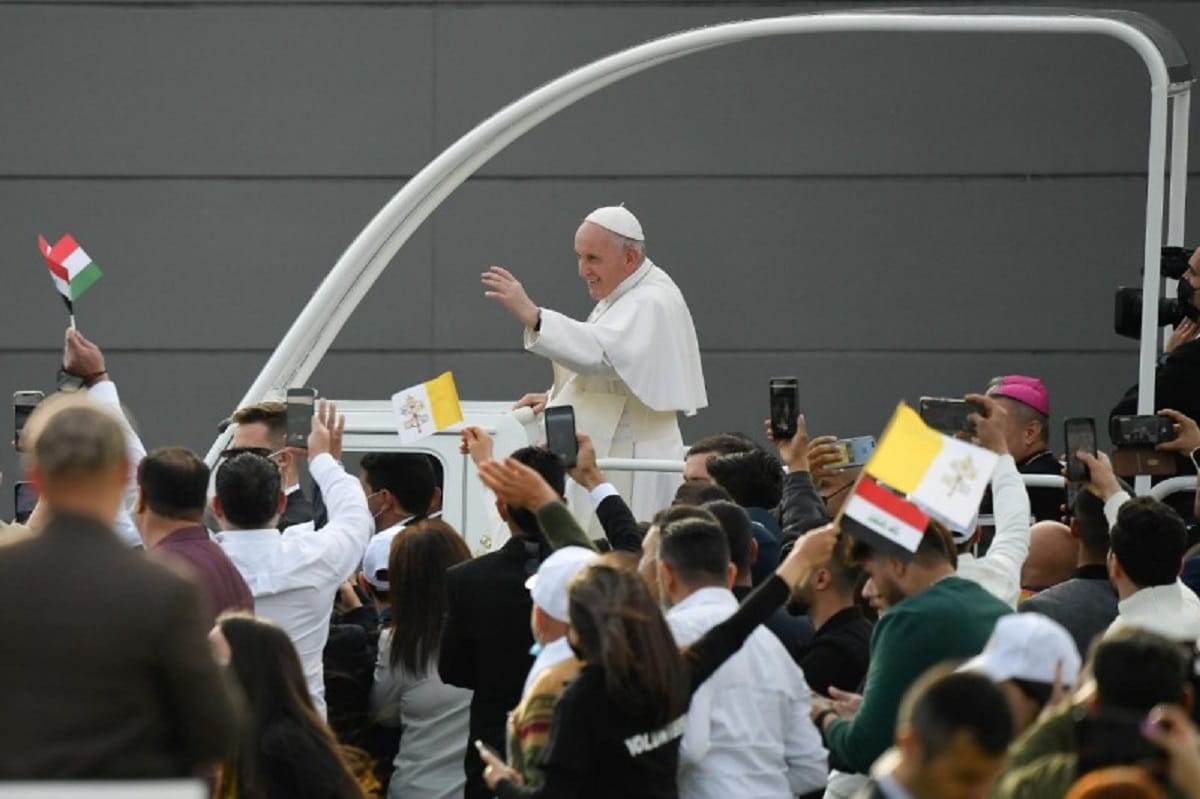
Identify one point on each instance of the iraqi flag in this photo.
(883, 520)
(73, 270)
(945, 476)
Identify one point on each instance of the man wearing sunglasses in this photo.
(262, 430)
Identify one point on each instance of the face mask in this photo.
(375, 515)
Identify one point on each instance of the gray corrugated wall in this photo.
(886, 216)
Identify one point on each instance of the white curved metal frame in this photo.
(318, 324)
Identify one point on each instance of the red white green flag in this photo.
(72, 268)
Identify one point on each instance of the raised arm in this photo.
(344, 538)
(802, 508)
(620, 525)
(83, 358)
(516, 484)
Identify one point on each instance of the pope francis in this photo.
(630, 368)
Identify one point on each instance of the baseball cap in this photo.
(1023, 389)
(1027, 646)
(549, 587)
(619, 220)
(375, 559)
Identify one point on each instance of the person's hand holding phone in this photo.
(792, 451)
(1103, 483)
(495, 769)
(476, 443)
(586, 471)
(989, 426)
(1187, 433)
(327, 431)
(822, 452)
(516, 484)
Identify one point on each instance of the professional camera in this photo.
(1127, 318)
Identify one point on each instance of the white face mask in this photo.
(374, 515)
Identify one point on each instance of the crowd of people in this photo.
(337, 640)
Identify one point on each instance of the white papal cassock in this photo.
(628, 371)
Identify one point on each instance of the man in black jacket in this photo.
(125, 685)
(486, 642)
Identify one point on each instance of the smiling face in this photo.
(603, 262)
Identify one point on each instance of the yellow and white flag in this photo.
(424, 409)
(944, 476)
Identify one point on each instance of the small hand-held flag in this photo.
(72, 269)
(423, 410)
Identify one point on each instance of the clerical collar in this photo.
(623, 287)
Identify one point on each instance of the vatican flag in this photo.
(424, 409)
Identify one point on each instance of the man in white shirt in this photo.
(1147, 541)
(999, 571)
(748, 733)
(294, 576)
(630, 368)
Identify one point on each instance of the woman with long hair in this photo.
(287, 751)
(408, 691)
(617, 727)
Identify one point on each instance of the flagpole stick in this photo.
(72, 321)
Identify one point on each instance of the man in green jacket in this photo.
(935, 617)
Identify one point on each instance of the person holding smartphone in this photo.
(616, 729)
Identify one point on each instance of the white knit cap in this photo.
(616, 218)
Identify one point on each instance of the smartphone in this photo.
(785, 406)
(1080, 434)
(947, 415)
(1140, 431)
(25, 497)
(560, 433)
(300, 402)
(855, 452)
(23, 404)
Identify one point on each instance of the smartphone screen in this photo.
(300, 403)
(1080, 434)
(948, 416)
(25, 498)
(785, 406)
(23, 404)
(560, 433)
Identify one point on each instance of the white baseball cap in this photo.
(549, 587)
(375, 559)
(1028, 646)
(619, 220)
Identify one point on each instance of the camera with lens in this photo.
(1127, 317)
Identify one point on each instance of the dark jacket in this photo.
(122, 684)
(486, 643)
(620, 527)
(299, 509)
(839, 652)
(1086, 604)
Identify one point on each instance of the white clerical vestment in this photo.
(627, 371)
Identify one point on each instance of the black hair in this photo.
(754, 478)
(736, 524)
(1149, 540)
(675, 513)
(248, 486)
(1092, 524)
(699, 492)
(174, 483)
(936, 546)
(944, 703)
(1037, 692)
(439, 471)
(697, 550)
(1136, 670)
(407, 476)
(722, 444)
(552, 469)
